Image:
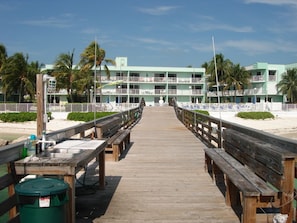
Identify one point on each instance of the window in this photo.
(196, 76)
(272, 72)
(272, 75)
(134, 100)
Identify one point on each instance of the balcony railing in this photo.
(154, 79)
(172, 91)
(258, 78)
(160, 91)
(272, 78)
(197, 92)
(159, 79)
(134, 91)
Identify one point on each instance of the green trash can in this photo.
(42, 200)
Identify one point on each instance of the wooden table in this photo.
(66, 159)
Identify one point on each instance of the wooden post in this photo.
(11, 192)
(288, 188)
(40, 105)
(101, 160)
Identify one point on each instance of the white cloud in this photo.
(160, 10)
(152, 41)
(63, 21)
(273, 2)
(210, 26)
(253, 47)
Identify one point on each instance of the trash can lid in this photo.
(41, 187)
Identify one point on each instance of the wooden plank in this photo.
(122, 137)
(261, 185)
(71, 203)
(6, 180)
(249, 210)
(258, 150)
(261, 170)
(227, 165)
(8, 204)
(160, 179)
(265, 159)
(108, 127)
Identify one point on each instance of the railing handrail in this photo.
(12, 152)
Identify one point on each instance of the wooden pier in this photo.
(160, 178)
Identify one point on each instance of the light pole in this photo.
(190, 93)
(47, 78)
(255, 99)
(91, 94)
(41, 94)
(119, 87)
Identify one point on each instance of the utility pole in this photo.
(41, 124)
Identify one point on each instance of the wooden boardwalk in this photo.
(161, 178)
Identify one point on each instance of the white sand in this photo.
(31, 127)
(20, 131)
(284, 124)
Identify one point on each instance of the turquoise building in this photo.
(188, 85)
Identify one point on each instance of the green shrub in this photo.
(203, 112)
(87, 116)
(18, 116)
(255, 115)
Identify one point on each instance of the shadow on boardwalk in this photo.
(160, 179)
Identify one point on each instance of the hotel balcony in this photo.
(185, 80)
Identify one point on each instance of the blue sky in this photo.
(153, 32)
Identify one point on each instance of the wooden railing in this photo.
(12, 152)
(209, 130)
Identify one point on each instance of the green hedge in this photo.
(87, 116)
(255, 115)
(32, 116)
(204, 112)
(18, 117)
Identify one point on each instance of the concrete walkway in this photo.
(161, 178)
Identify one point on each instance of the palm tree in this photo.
(3, 58)
(237, 79)
(288, 85)
(16, 78)
(30, 82)
(65, 73)
(223, 66)
(94, 56)
(82, 82)
(205, 65)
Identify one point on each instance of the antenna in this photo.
(217, 83)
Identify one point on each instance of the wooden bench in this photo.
(252, 174)
(117, 138)
(108, 127)
(116, 145)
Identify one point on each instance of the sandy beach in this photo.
(284, 124)
(19, 131)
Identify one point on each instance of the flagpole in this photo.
(218, 92)
(95, 77)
